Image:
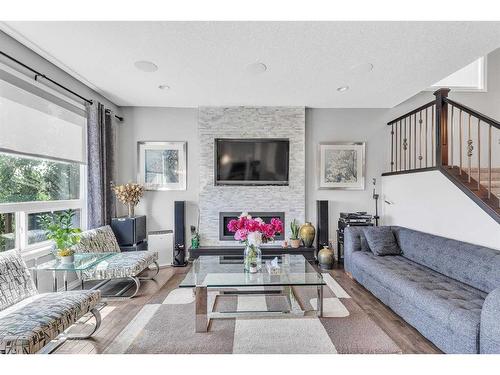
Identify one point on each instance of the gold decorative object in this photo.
(307, 234)
(326, 258)
(470, 148)
(128, 194)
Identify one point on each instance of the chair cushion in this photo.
(126, 264)
(16, 283)
(30, 327)
(381, 241)
(99, 240)
(455, 305)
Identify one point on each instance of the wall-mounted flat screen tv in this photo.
(251, 161)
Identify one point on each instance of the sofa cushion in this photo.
(16, 283)
(455, 305)
(99, 240)
(381, 241)
(126, 264)
(474, 265)
(28, 328)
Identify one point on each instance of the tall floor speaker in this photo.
(322, 224)
(179, 234)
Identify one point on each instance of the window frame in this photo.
(23, 209)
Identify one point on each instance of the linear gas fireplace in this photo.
(225, 217)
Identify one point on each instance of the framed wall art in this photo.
(342, 166)
(162, 165)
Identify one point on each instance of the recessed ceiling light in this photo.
(342, 88)
(164, 87)
(256, 68)
(146, 66)
(362, 68)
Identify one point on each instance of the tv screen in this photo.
(251, 161)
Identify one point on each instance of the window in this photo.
(7, 231)
(42, 170)
(25, 179)
(470, 78)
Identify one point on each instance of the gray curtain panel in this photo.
(101, 165)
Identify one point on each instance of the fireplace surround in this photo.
(225, 217)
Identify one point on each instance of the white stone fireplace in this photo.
(250, 122)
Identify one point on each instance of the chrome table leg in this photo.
(201, 307)
(54, 281)
(320, 300)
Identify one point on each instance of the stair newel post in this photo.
(441, 127)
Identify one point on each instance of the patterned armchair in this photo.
(120, 266)
(29, 320)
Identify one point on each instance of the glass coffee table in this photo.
(217, 272)
(83, 262)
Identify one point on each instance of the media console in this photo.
(234, 251)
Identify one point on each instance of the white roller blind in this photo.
(32, 125)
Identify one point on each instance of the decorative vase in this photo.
(252, 258)
(70, 259)
(326, 258)
(307, 233)
(131, 208)
(295, 243)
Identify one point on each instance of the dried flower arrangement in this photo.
(128, 194)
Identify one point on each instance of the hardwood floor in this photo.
(117, 314)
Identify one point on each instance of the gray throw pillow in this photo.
(381, 241)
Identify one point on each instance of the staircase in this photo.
(458, 141)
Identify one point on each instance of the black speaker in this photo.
(179, 234)
(322, 224)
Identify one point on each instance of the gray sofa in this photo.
(448, 290)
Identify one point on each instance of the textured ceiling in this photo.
(205, 63)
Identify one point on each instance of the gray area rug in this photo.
(166, 325)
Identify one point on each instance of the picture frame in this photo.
(162, 165)
(341, 165)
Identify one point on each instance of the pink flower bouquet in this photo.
(254, 231)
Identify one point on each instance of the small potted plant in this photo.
(59, 228)
(294, 238)
(195, 238)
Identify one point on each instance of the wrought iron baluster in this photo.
(460, 141)
(433, 154)
(478, 154)
(470, 148)
(405, 144)
(392, 147)
(420, 139)
(426, 137)
(489, 162)
(451, 135)
(415, 141)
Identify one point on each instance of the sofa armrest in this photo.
(489, 339)
(353, 237)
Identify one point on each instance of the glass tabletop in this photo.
(216, 272)
(83, 261)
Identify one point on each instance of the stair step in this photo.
(494, 183)
(483, 170)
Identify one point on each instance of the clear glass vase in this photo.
(252, 258)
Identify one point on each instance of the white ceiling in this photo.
(205, 63)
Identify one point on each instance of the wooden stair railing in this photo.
(455, 139)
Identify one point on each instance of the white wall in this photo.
(322, 125)
(249, 122)
(344, 125)
(17, 50)
(160, 124)
(431, 203)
